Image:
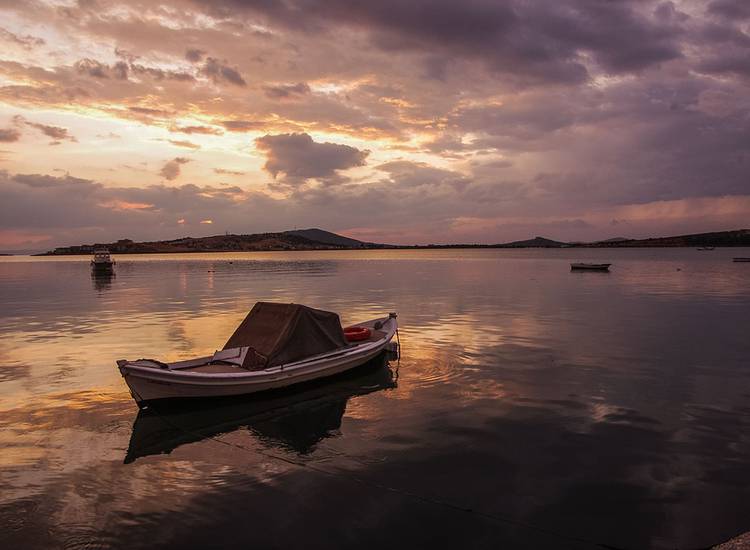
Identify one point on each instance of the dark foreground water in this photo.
(532, 407)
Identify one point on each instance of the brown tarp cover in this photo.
(284, 333)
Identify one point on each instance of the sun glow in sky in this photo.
(402, 122)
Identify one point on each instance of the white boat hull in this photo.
(147, 383)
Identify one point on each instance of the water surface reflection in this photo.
(102, 280)
(563, 410)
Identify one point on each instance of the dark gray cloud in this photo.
(537, 41)
(125, 55)
(639, 142)
(149, 112)
(220, 72)
(241, 125)
(731, 9)
(446, 143)
(737, 62)
(618, 35)
(184, 143)
(411, 174)
(722, 33)
(156, 74)
(194, 55)
(121, 70)
(171, 169)
(92, 67)
(25, 41)
(722, 45)
(9, 135)
(205, 130)
(57, 133)
(527, 118)
(298, 157)
(285, 91)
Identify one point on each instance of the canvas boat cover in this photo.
(283, 333)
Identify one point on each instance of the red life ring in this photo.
(357, 334)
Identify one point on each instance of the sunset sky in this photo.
(391, 121)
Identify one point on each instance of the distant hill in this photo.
(739, 237)
(322, 236)
(536, 242)
(287, 240)
(614, 240)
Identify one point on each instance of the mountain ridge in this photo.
(736, 237)
(216, 243)
(320, 239)
(327, 237)
(536, 242)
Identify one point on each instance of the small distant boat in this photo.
(589, 267)
(276, 346)
(741, 259)
(705, 248)
(102, 262)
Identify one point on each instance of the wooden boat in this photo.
(276, 346)
(741, 259)
(102, 262)
(589, 267)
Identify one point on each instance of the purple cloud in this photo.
(297, 157)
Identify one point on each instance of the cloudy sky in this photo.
(402, 122)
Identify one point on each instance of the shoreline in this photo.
(394, 248)
(405, 247)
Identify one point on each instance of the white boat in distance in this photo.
(276, 346)
(102, 261)
(589, 267)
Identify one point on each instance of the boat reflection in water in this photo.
(295, 419)
(102, 280)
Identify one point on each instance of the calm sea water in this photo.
(532, 407)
